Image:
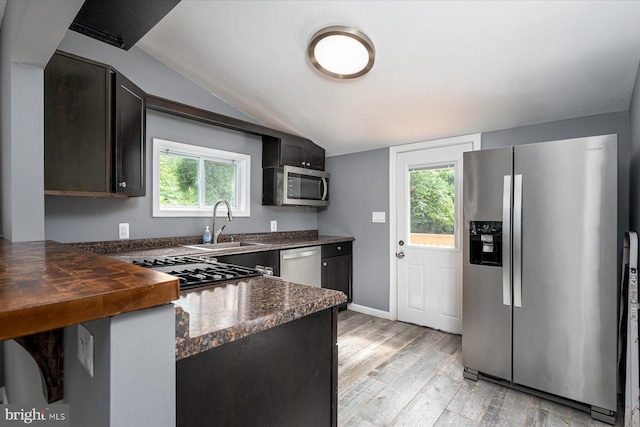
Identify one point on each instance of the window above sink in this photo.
(189, 179)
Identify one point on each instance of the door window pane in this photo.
(432, 206)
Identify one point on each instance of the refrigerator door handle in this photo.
(506, 241)
(517, 241)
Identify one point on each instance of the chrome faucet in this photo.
(216, 233)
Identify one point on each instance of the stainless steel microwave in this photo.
(292, 186)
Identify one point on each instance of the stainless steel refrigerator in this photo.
(539, 268)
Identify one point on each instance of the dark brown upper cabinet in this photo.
(94, 130)
(291, 152)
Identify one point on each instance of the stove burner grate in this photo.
(195, 272)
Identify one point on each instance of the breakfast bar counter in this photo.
(46, 285)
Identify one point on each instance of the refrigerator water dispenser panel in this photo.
(485, 243)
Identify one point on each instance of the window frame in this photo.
(243, 162)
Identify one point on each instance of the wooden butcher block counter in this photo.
(47, 285)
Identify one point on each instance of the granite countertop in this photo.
(211, 316)
(126, 250)
(47, 285)
(215, 315)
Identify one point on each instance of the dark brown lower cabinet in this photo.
(252, 259)
(337, 269)
(283, 376)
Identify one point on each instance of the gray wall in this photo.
(133, 383)
(634, 175)
(21, 123)
(22, 200)
(73, 219)
(23, 380)
(566, 129)
(360, 186)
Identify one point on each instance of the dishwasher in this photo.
(301, 265)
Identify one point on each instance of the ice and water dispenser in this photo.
(485, 243)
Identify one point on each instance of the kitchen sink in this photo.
(220, 246)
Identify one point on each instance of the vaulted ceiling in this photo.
(443, 68)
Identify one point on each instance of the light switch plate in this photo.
(378, 217)
(123, 230)
(85, 348)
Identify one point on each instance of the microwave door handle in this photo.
(326, 187)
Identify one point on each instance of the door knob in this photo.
(400, 255)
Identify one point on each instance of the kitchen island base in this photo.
(282, 376)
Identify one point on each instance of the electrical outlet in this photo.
(274, 225)
(123, 230)
(85, 348)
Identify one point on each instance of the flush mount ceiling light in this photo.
(341, 52)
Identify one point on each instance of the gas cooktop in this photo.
(194, 272)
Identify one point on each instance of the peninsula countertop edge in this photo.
(46, 285)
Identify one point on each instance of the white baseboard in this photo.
(368, 310)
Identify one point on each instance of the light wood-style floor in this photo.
(398, 374)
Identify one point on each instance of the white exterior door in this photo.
(428, 246)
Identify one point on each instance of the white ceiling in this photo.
(443, 68)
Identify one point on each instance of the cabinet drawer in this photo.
(336, 249)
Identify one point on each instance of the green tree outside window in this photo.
(432, 192)
(180, 177)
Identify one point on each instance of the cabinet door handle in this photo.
(122, 184)
(324, 264)
(339, 248)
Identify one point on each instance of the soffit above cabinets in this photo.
(120, 23)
